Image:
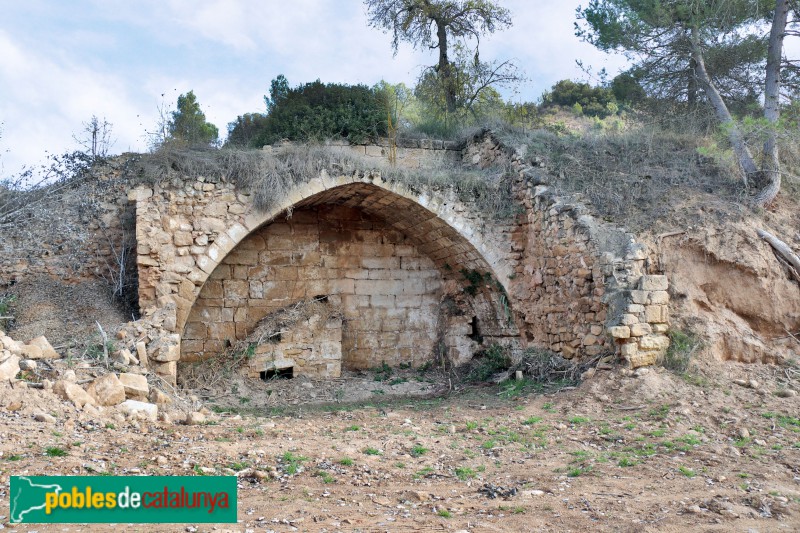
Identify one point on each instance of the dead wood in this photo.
(784, 251)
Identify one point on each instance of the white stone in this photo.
(135, 407)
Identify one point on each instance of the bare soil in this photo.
(645, 451)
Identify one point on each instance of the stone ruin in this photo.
(405, 275)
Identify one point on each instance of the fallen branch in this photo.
(784, 250)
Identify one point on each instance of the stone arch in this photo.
(457, 243)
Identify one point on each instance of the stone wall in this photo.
(73, 230)
(388, 291)
(581, 286)
(554, 277)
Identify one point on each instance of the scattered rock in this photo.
(69, 375)
(31, 352)
(135, 408)
(122, 357)
(786, 393)
(417, 495)
(44, 417)
(743, 433)
(753, 384)
(158, 397)
(307, 385)
(532, 493)
(740, 382)
(107, 390)
(195, 419)
(9, 368)
(47, 351)
(27, 365)
(135, 386)
(14, 406)
(74, 393)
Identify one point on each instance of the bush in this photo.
(488, 362)
(682, 347)
(314, 111)
(582, 98)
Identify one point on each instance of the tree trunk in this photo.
(691, 89)
(445, 69)
(771, 167)
(743, 154)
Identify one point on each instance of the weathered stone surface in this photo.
(640, 359)
(27, 364)
(137, 408)
(656, 314)
(44, 345)
(654, 283)
(9, 368)
(74, 393)
(195, 419)
(158, 397)
(639, 330)
(30, 351)
(11, 345)
(123, 357)
(107, 390)
(654, 342)
(44, 417)
(135, 385)
(620, 332)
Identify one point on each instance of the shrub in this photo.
(314, 111)
(582, 98)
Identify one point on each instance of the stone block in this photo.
(47, 350)
(107, 390)
(9, 367)
(653, 283)
(619, 332)
(30, 351)
(640, 330)
(654, 342)
(629, 320)
(135, 409)
(635, 309)
(628, 349)
(135, 385)
(640, 359)
(74, 393)
(656, 314)
(639, 297)
(658, 297)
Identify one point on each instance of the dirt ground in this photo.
(645, 451)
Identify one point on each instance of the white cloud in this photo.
(47, 98)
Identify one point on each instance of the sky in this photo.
(121, 60)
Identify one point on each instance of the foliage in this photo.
(682, 347)
(445, 25)
(488, 362)
(593, 101)
(312, 112)
(655, 36)
(188, 124)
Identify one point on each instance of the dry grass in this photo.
(643, 178)
(269, 176)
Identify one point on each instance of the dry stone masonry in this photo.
(414, 274)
